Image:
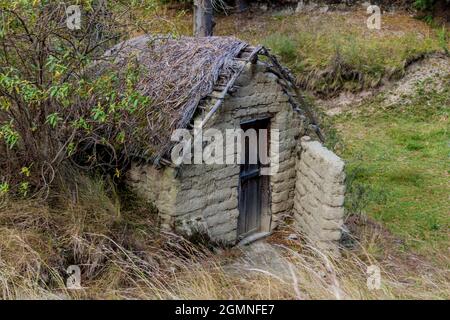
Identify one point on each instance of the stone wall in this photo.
(205, 197)
(319, 194)
(158, 187)
(208, 196)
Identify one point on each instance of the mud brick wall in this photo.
(204, 196)
(319, 194)
(208, 197)
(159, 187)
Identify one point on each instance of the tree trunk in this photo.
(203, 18)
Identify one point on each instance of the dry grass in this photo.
(126, 257)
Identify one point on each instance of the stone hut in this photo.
(223, 84)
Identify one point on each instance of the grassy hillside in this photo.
(398, 164)
(329, 52)
(332, 52)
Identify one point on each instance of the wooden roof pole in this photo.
(229, 85)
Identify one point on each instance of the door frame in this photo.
(264, 194)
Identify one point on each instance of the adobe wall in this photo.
(158, 187)
(319, 195)
(208, 196)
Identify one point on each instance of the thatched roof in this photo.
(177, 74)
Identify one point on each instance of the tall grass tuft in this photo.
(128, 257)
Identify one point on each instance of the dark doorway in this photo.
(253, 187)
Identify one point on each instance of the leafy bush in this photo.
(424, 4)
(51, 112)
(429, 5)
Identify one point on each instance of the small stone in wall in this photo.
(324, 9)
(292, 237)
(300, 6)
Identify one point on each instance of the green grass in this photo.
(332, 53)
(327, 52)
(399, 166)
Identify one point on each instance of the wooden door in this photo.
(252, 185)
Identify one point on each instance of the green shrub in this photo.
(283, 46)
(51, 112)
(424, 4)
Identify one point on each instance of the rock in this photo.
(324, 9)
(341, 7)
(264, 7)
(285, 12)
(293, 237)
(300, 6)
(312, 6)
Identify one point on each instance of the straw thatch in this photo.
(175, 74)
